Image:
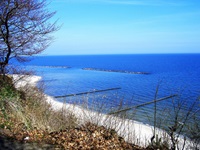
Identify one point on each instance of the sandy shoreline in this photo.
(23, 80)
(132, 131)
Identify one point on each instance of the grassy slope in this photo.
(26, 116)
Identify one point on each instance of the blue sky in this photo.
(126, 27)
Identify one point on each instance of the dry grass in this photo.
(28, 106)
(26, 112)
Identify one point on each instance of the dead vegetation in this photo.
(26, 116)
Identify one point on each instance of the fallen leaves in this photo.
(88, 136)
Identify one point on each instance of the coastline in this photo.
(132, 131)
(24, 80)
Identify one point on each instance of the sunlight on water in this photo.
(175, 74)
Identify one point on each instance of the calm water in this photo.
(174, 73)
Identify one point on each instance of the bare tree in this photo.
(25, 29)
(182, 122)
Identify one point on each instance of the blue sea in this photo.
(168, 74)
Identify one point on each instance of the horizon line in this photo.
(116, 54)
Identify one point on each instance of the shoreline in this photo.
(24, 80)
(132, 131)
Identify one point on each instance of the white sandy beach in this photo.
(132, 131)
(23, 80)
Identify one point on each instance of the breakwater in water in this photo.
(82, 93)
(64, 67)
(119, 71)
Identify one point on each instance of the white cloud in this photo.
(140, 2)
(133, 2)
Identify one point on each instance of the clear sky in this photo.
(126, 27)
